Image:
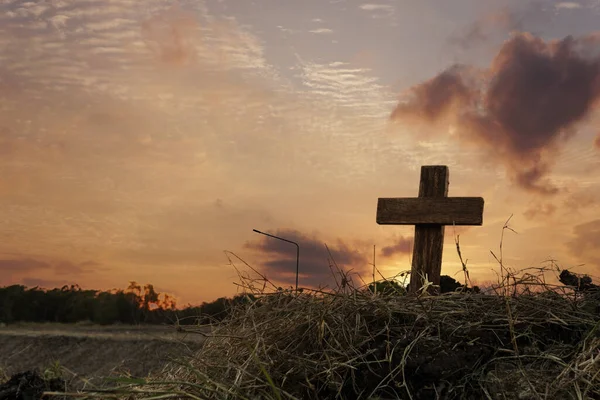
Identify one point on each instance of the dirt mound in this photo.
(29, 385)
(353, 344)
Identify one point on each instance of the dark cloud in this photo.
(522, 109)
(23, 265)
(314, 259)
(597, 142)
(403, 245)
(433, 100)
(586, 243)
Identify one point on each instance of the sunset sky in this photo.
(139, 140)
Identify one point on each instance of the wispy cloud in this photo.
(21, 266)
(380, 11)
(322, 31)
(569, 5)
(90, 46)
(376, 7)
(347, 86)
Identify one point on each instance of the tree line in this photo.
(134, 305)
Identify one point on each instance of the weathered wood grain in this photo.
(430, 212)
(429, 239)
(440, 211)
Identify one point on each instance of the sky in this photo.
(145, 140)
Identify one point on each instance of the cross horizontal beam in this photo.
(432, 210)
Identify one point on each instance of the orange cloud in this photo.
(586, 242)
(578, 201)
(540, 210)
(169, 36)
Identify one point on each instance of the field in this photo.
(91, 352)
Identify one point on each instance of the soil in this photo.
(90, 352)
(29, 385)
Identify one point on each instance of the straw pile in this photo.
(515, 343)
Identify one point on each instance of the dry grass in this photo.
(525, 339)
(351, 344)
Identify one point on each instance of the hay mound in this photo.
(353, 344)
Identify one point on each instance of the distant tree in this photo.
(106, 309)
(10, 298)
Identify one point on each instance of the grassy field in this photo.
(91, 352)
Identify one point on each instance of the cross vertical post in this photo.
(430, 212)
(429, 239)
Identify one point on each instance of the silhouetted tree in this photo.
(134, 305)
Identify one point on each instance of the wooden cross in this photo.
(430, 212)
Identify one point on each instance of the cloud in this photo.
(170, 35)
(578, 201)
(597, 142)
(543, 210)
(22, 265)
(402, 246)
(70, 268)
(322, 31)
(482, 29)
(569, 5)
(521, 110)
(342, 84)
(29, 265)
(116, 48)
(376, 7)
(586, 243)
(280, 265)
(378, 10)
